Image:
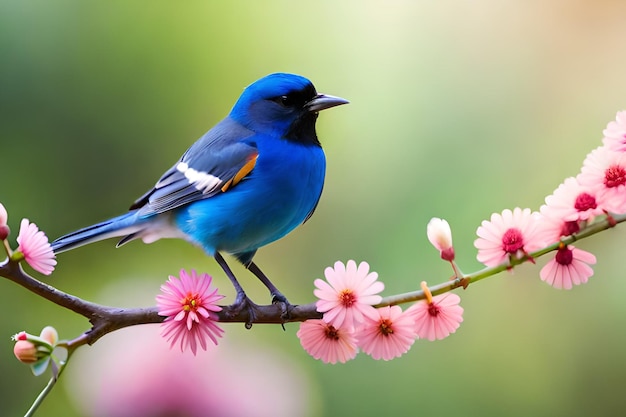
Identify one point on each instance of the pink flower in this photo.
(605, 172)
(4, 216)
(440, 236)
(4, 227)
(572, 201)
(389, 335)
(189, 305)
(510, 234)
(552, 228)
(615, 133)
(347, 298)
(34, 246)
(569, 267)
(437, 317)
(325, 342)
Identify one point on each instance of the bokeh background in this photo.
(458, 109)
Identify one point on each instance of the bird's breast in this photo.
(277, 196)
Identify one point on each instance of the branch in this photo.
(106, 319)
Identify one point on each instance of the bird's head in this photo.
(285, 105)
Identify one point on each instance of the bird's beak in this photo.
(324, 101)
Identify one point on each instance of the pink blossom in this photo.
(605, 172)
(440, 236)
(615, 133)
(569, 267)
(436, 317)
(347, 298)
(510, 234)
(3, 215)
(325, 342)
(33, 244)
(552, 228)
(4, 227)
(189, 303)
(567, 210)
(389, 335)
(572, 201)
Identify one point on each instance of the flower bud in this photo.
(4, 228)
(25, 351)
(31, 349)
(440, 236)
(3, 215)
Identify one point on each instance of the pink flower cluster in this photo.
(351, 322)
(598, 191)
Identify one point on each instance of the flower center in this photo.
(347, 298)
(191, 302)
(564, 256)
(385, 327)
(512, 240)
(585, 202)
(614, 176)
(433, 309)
(332, 333)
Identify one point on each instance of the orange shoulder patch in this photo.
(245, 170)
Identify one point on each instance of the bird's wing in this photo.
(212, 165)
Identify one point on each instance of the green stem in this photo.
(464, 280)
(48, 388)
(42, 396)
(7, 247)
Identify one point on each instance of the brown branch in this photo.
(106, 319)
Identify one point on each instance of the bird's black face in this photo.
(283, 105)
(301, 120)
(297, 99)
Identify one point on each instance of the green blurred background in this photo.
(458, 109)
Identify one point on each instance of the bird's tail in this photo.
(124, 225)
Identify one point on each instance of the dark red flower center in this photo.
(347, 298)
(332, 333)
(564, 256)
(585, 202)
(512, 240)
(386, 327)
(614, 176)
(433, 309)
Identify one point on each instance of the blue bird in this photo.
(250, 180)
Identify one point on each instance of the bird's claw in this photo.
(244, 306)
(284, 305)
(243, 303)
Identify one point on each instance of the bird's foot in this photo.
(251, 312)
(244, 304)
(284, 305)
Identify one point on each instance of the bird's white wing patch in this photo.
(203, 181)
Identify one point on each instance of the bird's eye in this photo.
(284, 101)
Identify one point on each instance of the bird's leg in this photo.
(277, 296)
(241, 301)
